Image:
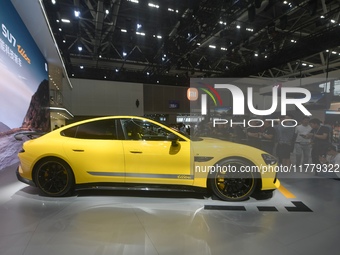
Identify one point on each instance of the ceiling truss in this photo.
(184, 39)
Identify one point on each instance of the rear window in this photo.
(101, 129)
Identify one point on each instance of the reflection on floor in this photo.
(102, 222)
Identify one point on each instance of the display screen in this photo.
(173, 104)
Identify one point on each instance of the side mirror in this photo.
(174, 139)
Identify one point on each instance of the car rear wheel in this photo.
(230, 182)
(54, 177)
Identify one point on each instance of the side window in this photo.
(101, 129)
(135, 129)
(70, 132)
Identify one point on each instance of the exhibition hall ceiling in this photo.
(170, 41)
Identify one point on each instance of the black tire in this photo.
(230, 185)
(54, 177)
(262, 195)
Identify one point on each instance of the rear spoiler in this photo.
(30, 134)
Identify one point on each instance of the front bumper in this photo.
(24, 180)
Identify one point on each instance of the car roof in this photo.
(120, 117)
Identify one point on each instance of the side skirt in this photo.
(140, 187)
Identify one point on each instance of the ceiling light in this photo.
(159, 36)
(140, 33)
(64, 41)
(222, 48)
(256, 55)
(238, 26)
(76, 13)
(133, 1)
(100, 56)
(107, 11)
(65, 20)
(198, 44)
(53, 1)
(322, 17)
(153, 5)
(60, 29)
(124, 54)
(117, 70)
(334, 52)
(285, 2)
(311, 66)
(176, 11)
(139, 26)
(81, 67)
(332, 21)
(212, 46)
(123, 30)
(249, 29)
(171, 10)
(57, 21)
(304, 64)
(80, 48)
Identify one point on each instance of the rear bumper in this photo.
(24, 180)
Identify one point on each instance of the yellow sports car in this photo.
(131, 152)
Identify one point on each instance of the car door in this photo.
(95, 152)
(150, 157)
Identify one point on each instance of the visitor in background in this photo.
(319, 138)
(285, 140)
(332, 159)
(268, 137)
(302, 142)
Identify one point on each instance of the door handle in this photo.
(136, 152)
(75, 150)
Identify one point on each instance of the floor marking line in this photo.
(225, 207)
(299, 207)
(286, 192)
(267, 209)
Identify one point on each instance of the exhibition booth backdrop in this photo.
(24, 89)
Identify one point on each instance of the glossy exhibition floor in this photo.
(98, 222)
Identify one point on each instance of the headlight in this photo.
(269, 159)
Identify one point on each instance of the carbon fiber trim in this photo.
(138, 175)
(202, 158)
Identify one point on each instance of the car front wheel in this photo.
(54, 177)
(230, 182)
